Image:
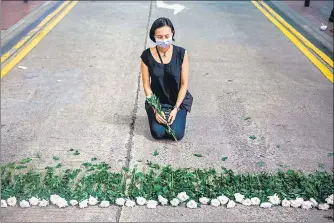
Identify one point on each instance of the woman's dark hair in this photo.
(161, 22)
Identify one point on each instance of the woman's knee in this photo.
(157, 132)
(179, 133)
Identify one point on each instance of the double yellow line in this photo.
(298, 39)
(36, 39)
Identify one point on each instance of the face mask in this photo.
(164, 43)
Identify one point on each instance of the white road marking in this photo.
(176, 7)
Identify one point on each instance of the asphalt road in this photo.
(82, 90)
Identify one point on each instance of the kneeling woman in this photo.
(165, 70)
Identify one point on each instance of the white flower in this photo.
(162, 200)
(43, 203)
(54, 198)
(255, 201)
(215, 202)
(223, 199)
(11, 201)
(296, 203)
(83, 204)
(274, 199)
(286, 203)
(92, 201)
(3, 203)
(247, 202)
(329, 199)
(300, 199)
(239, 197)
(141, 201)
(61, 203)
(191, 204)
(120, 201)
(323, 207)
(204, 200)
(175, 202)
(314, 202)
(266, 205)
(152, 204)
(34, 201)
(24, 204)
(183, 196)
(104, 204)
(230, 204)
(73, 202)
(130, 203)
(307, 205)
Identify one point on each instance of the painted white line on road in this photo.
(176, 7)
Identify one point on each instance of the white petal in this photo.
(307, 205)
(130, 203)
(83, 204)
(266, 205)
(104, 204)
(43, 203)
(24, 204)
(92, 201)
(183, 196)
(3, 203)
(204, 200)
(162, 200)
(255, 201)
(11, 201)
(323, 207)
(286, 203)
(296, 203)
(175, 202)
(191, 204)
(247, 202)
(54, 198)
(230, 204)
(141, 201)
(215, 202)
(275, 200)
(314, 202)
(239, 197)
(223, 199)
(34, 201)
(120, 201)
(152, 204)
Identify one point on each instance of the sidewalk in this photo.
(14, 11)
(317, 13)
(307, 21)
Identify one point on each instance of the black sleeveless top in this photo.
(166, 78)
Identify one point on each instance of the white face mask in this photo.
(164, 43)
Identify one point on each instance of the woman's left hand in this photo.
(172, 116)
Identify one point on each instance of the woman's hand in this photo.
(172, 116)
(160, 119)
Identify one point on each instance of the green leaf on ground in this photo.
(155, 153)
(76, 153)
(247, 118)
(125, 169)
(224, 158)
(278, 146)
(330, 154)
(25, 160)
(198, 155)
(252, 137)
(259, 164)
(71, 150)
(56, 157)
(93, 159)
(58, 165)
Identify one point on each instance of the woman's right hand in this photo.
(161, 119)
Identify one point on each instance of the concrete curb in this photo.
(320, 39)
(17, 26)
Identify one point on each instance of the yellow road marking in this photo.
(26, 49)
(5, 56)
(298, 44)
(323, 56)
(28, 36)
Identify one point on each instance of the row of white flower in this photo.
(181, 197)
